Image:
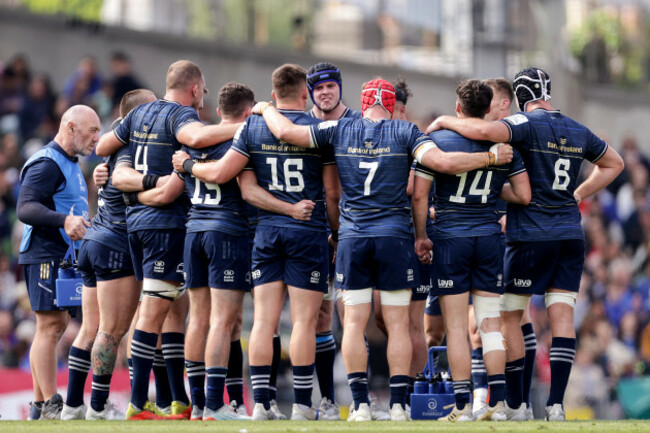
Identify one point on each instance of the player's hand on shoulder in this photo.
(302, 210)
(100, 175)
(436, 125)
(502, 153)
(75, 226)
(260, 107)
(178, 159)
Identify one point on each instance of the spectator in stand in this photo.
(123, 80)
(38, 108)
(84, 82)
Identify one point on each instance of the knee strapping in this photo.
(488, 308)
(161, 289)
(396, 298)
(513, 302)
(357, 297)
(568, 298)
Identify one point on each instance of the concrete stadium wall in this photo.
(55, 46)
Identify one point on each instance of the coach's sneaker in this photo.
(479, 406)
(69, 413)
(328, 411)
(494, 413)
(110, 413)
(261, 414)
(224, 413)
(52, 408)
(275, 409)
(376, 413)
(529, 413)
(181, 411)
(135, 414)
(518, 414)
(555, 413)
(398, 413)
(300, 412)
(361, 414)
(458, 415)
(35, 408)
(197, 413)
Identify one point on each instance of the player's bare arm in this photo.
(472, 128)
(100, 175)
(197, 135)
(254, 194)
(108, 144)
(517, 191)
(219, 172)
(607, 168)
(164, 194)
(420, 209)
(283, 128)
(460, 162)
(332, 186)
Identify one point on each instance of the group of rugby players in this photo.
(332, 185)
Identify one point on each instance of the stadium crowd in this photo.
(612, 315)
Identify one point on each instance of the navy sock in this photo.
(325, 354)
(129, 361)
(99, 393)
(235, 376)
(78, 367)
(143, 350)
(514, 382)
(216, 381)
(163, 391)
(359, 386)
(563, 351)
(275, 366)
(173, 346)
(260, 375)
(530, 342)
(196, 378)
(462, 392)
(497, 384)
(303, 379)
(399, 386)
(479, 374)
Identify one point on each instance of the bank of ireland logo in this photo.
(409, 275)
(315, 277)
(228, 276)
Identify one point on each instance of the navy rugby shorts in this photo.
(100, 262)
(158, 254)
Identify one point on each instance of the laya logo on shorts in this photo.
(315, 277)
(159, 267)
(409, 275)
(228, 276)
(445, 284)
(339, 277)
(256, 274)
(523, 283)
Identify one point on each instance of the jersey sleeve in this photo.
(422, 171)
(123, 130)
(418, 143)
(240, 141)
(183, 117)
(123, 157)
(595, 148)
(519, 127)
(517, 164)
(323, 133)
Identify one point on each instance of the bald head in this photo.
(79, 130)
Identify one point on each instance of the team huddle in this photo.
(330, 206)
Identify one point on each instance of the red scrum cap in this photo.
(380, 92)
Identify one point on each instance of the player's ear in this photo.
(219, 112)
(273, 95)
(458, 111)
(305, 94)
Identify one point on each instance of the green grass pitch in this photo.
(631, 426)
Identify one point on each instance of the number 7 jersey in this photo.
(552, 146)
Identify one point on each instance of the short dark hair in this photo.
(234, 98)
(502, 86)
(288, 80)
(474, 97)
(402, 91)
(182, 74)
(134, 98)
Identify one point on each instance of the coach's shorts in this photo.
(383, 263)
(433, 306)
(461, 264)
(421, 292)
(533, 267)
(158, 254)
(99, 262)
(293, 255)
(217, 260)
(40, 279)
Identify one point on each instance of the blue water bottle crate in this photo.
(69, 282)
(433, 394)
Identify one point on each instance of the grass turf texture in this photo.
(628, 426)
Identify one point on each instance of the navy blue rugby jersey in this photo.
(348, 113)
(291, 173)
(552, 146)
(109, 225)
(214, 206)
(150, 132)
(373, 161)
(467, 203)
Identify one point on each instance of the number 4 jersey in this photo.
(466, 203)
(552, 147)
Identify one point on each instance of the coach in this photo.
(53, 195)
